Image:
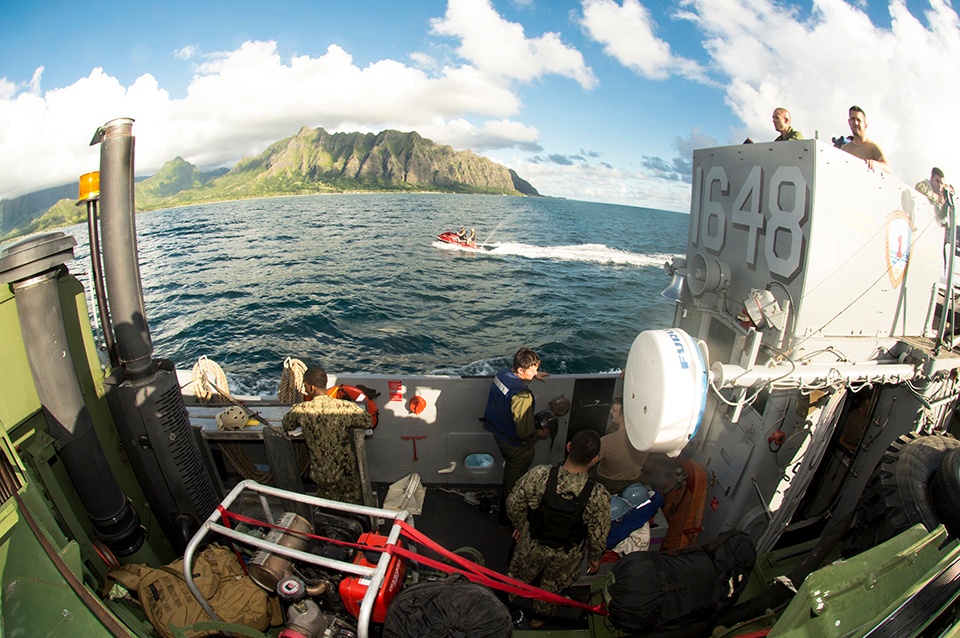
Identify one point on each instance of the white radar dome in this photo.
(664, 390)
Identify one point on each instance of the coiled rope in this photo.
(205, 372)
(245, 467)
(291, 388)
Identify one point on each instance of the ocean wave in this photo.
(364, 287)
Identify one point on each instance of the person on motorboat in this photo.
(556, 511)
(620, 464)
(509, 415)
(471, 237)
(326, 424)
(782, 124)
(861, 146)
(462, 235)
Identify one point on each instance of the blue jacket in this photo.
(498, 418)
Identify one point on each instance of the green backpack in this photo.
(218, 574)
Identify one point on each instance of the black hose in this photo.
(106, 326)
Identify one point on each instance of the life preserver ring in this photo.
(355, 394)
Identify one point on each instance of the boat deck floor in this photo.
(454, 523)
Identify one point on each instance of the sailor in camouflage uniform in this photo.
(326, 424)
(554, 543)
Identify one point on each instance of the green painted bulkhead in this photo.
(37, 600)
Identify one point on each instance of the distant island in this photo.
(312, 161)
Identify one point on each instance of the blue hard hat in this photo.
(618, 507)
(635, 494)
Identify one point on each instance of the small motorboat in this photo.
(452, 237)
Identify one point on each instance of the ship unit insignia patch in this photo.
(899, 234)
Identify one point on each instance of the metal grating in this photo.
(919, 608)
(175, 423)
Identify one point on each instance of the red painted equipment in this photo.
(451, 237)
(352, 590)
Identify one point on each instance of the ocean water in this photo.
(359, 283)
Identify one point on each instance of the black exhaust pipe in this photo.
(144, 394)
(33, 267)
(121, 265)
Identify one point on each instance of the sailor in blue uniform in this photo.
(509, 415)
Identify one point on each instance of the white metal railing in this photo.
(374, 574)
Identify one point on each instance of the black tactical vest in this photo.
(558, 522)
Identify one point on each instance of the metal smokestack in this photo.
(121, 263)
(143, 393)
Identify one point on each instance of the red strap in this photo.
(227, 514)
(226, 523)
(470, 570)
(469, 575)
(480, 574)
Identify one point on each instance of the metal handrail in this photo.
(376, 574)
(948, 300)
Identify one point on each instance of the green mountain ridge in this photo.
(310, 162)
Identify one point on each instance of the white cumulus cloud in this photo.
(502, 49)
(838, 57)
(765, 54)
(239, 102)
(628, 34)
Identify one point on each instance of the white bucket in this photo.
(665, 390)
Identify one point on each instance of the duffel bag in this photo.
(652, 590)
(452, 607)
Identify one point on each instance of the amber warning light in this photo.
(89, 187)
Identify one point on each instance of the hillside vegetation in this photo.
(312, 161)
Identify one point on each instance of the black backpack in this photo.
(452, 607)
(558, 521)
(653, 590)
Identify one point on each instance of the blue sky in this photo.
(597, 100)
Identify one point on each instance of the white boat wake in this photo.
(597, 253)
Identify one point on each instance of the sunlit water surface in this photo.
(359, 283)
